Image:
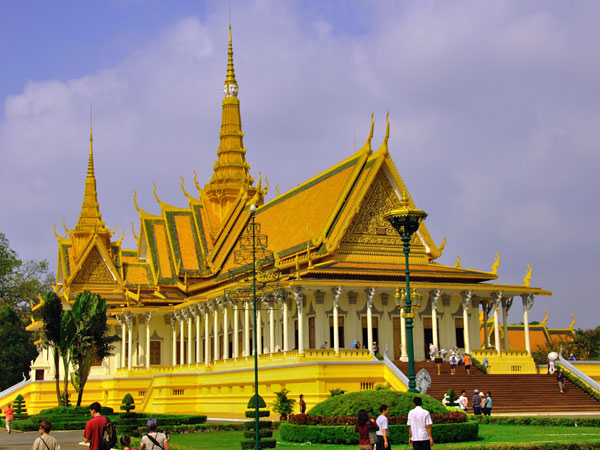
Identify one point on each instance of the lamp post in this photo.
(256, 432)
(406, 221)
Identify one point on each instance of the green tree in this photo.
(586, 344)
(51, 334)
(16, 351)
(127, 404)
(91, 340)
(21, 281)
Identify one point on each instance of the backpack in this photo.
(109, 435)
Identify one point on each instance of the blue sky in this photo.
(494, 110)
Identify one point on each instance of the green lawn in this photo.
(488, 434)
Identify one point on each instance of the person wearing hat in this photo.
(476, 403)
(154, 440)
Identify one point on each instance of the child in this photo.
(126, 443)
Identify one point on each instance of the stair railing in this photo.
(394, 368)
(15, 387)
(578, 373)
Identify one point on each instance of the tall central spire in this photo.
(231, 177)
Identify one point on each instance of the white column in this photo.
(297, 291)
(286, 339)
(528, 301)
(129, 319)
(123, 332)
(225, 330)
(197, 312)
(370, 296)
(486, 337)
(337, 292)
(174, 341)
(466, 302)
(189, 330)
(258, 326)
(272, 328)
(215, 312)
(497, 302)
(148, 319)
(506, 305)
(246, 329)
(181, 337)
(236, 331)
(206, 335)
(435, 298)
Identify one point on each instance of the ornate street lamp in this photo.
(406, 221)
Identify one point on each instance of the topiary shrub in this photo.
(399, 403)
(19, 407)
(127, 404)
(265, 428)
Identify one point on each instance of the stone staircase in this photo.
(511, 393)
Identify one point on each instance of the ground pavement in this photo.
(68, 440)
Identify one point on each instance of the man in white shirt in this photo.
(463, 400)
(383, 442)
(419, 426)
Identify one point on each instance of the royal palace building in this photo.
(330, 272)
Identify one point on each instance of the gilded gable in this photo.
(94, 270)
(369, 233)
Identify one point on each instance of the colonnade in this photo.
(186, 322)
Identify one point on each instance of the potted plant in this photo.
(283, 405)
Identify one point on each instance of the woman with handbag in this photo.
(366, 429)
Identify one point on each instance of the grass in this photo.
(489, 434)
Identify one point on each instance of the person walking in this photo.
(383, 442)
(94, 427)
(560, 377)
(467, 361)
(487, 405)
(476, 403)
(453, 362)
(419, 426)
(363, 427)
(302, 404)
(9, 414)
(154, 439)
(45, 441)
(463, 401)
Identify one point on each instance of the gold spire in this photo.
(230, 79)
(231, 177)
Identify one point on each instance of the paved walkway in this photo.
(68, 440)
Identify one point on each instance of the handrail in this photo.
(394, 369)
(578, 373)
(15, 387)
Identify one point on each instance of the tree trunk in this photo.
(66, 389)
(84, 373)
(57, 373)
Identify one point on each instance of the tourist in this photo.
(45, 441)
(463, 401)
(382, 433)
(551, 367)
(453, 362)
(302, 404)
(324, 346)
(126, 442)
(9, 414)
(432, 351)
(357, 346)
(487, 405)
(572, 357)
(363, 427)
(467, 361)
(94, 427)
(443, 353)
(375, 348)
(419, 426)
(154, 439)
(476, 403)
(560, 377)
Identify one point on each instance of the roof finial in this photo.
(231, 86)
(90, 172)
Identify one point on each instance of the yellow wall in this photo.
(509, 361)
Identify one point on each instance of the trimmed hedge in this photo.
(533, 420)
(399, 403)
(305, 419)
(264, 443)
(323, 434)
(580, 383)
